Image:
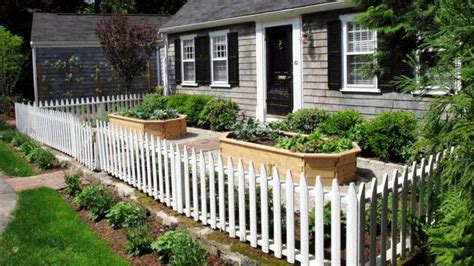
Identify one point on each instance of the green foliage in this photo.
(306, 120)
(19, 139)
(178, 248)
(118, 6)
(390, 135)
(316, 142)
(27, 147)
(155, 101)
(127, 215)
(345, 124)
(138, 240)
(193, 106)
(12, 59)
(177, 101)
(219, 114)
(73, 184)
(281, 125)
(327, 221)
(7, 135)
(43, 158)
(146, 112)
(95, 198)
(451, 240)
(250, 130)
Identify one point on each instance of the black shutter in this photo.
(334, 55)
(203, 64)
(177, 61)
(233, 58)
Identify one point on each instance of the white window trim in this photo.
(187, 38)
(222, 84)
(353, 88)
(432, 90)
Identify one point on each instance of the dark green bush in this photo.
(95, 198)
(193, 107)
(178, 248)
(306, 120)
(43, 158)
(345, 124)
(127, 215)
(390, 135)
(3, 125)
(154, 101)
(7, 135)
(73, 184)
(19, 139)
(27, 147)
(138, 240)
(219, 114)
(177, 102)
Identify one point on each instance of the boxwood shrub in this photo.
(390, 136)
(219, 114)
(305, 120)
(345, 124)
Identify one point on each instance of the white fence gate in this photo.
(366, 223)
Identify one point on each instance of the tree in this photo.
(128, 44)
(117, 6)
(11, 61)
(445, 29)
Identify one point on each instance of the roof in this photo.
(199, 11)
(75, 28)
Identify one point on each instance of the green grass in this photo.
(46, 231)
(12, 164)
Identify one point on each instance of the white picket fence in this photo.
(93, 108)
(270, 212)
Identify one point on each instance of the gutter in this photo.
(35, 76)
(339, 4)
(166, 90)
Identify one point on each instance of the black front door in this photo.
(279, 70)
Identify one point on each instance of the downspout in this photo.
(165, 67)
(35, 77)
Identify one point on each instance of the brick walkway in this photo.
(204, 145)
(54, 180)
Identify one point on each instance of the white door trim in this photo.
(260, 27)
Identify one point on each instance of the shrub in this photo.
(194, 106)
(278, 125)
(73, 184)
(138, 240)
(219, 114)
(7, 135)
(306, 120)
(178, 248)
(27, 147)
(154, 101)
(126, 214)
(3, 125)
(43, 158)
(19, 139)
(95, 198)
(345, 123)
(390, 135)
(177, 102)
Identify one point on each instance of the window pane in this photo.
(219, 47)
(359, 39)
(188, 49)
(355, 75)
(220, 71)
(188, 71)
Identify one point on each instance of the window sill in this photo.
(189, 84)
(365, 90)
(220, 85)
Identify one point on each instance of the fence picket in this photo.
(276, 213)
(335, 223)
(394, 219)
(252, 205)
(351, 225)
(221, 192)
(241, 184)
(304, 223)
(187, 192)
(264, 207)
(202, 175)
(383, 221)
(195, 185)
(230, 193)
(212, 190)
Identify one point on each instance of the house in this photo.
(68, 61)
(276, 56)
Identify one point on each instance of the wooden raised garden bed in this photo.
(166, 129)
(341, 165)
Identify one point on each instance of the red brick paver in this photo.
(54, 180)
(204, 145)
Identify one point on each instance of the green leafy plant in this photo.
(19, 139)
(327, 221)
(73, 184)
(95, 198)
(154, 101)
(306, 120)
(12, 59)
(7, 135)
(27, 147)
(250, 130)
(127, 215)
(139, 240)
(164, 114)
(316, 142)
(178, 248)
(281, 125)
(345, 124)
(193, 106)
(390, 135)
(219, 114)
(43, 158)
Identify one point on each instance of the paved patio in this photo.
(8, 200)
(54, 180)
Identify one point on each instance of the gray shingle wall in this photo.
(245, 94)
(52, 84)
(315, 88)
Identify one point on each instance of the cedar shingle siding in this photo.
(245, 93)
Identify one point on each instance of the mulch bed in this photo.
(116, 238)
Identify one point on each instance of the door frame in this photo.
(260, 31)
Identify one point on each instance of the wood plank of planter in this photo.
(341, 165)
(165, 129)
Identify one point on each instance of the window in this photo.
(188, 63)
(219, 58)
(359, 44)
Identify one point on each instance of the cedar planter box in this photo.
(165, 129)
(341, 165)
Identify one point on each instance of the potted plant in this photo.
(315, 154)
(167, 123)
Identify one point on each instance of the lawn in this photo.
(46, 230)
(12, 164)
